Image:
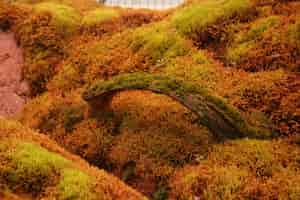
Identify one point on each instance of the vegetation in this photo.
(98, 15)
(64, 18)
(141, 94)
(27, 167)
(199, 21)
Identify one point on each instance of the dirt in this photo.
(13, 90)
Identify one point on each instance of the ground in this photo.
(126, 102)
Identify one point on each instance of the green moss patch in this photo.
(158, 43)
(75, 184)
(31, 167)
(99, 15)
(195, 20)
(65, 18)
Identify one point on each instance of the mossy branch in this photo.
(223, 120)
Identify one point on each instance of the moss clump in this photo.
(65, 18)
(201, 58)
(75, 184)
(31, 167)
(99, 15)
(158, 43)
(209, 182)
(255, 155)
(69, 77)
(265, 46)
(195, 20)
(294, 32)
(258, 28)
(236, 54)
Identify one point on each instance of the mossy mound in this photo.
(158, 43)
(204, 21)
(53, 115)
(239, 170)
(64, 18)
(29, 164)
(265, 46)
(98, 15)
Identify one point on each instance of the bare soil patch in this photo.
(13, 89)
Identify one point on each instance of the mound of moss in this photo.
(244, 42)
(158, 43)
(265, 46)
(75, 184)
(64, 18)
(33, 168)
(203, 21)
(241, 169)
(98, 15)
(35, 165)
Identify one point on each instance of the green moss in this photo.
(99, 15)
(201, 58)
(258, 28)
(244, 42)
(195, 19)
(236, 54)
(227, 183)
(294, 32)
(250, 154)
(158, 42)
(31, 166)
(75, 184)
(69, 77)
(65, 18)
(184, 91)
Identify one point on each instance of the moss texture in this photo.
(188, 94)
(98, 15)
(196, 20)
(158, 42)
(65, 18)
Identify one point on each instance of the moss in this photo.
(195, 19)
(75, 184)
(255, 155)
(258, 28)
(69, 77)
(31, 167)
(245, 41)
(65, 18)
(294, 32)
(158, 42)
(71, 116)
(226, 184)
(209, 182)
(175, 87)
(234, 55)
(99, 15)
(201, 58)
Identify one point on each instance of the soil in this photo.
(13, 90)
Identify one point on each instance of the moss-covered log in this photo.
(223, 120)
